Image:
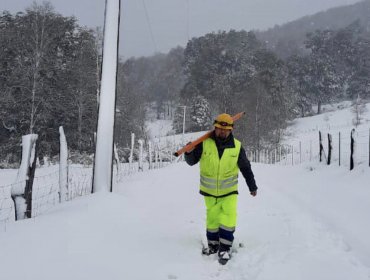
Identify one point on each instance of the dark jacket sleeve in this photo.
(194, 156)
(246, 170)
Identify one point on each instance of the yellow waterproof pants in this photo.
(221, 220)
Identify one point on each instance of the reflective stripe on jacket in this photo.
(219, 177)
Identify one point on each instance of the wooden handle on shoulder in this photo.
(191, 145)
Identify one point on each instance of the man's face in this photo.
(222, 133)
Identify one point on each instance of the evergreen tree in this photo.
(267, 100)
(130, 107)
(178, 121)
(299, 79)
(324, 78)
(235, 73)
(200, 114)
(217, 65)
(359, 83)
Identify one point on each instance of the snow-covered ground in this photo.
(303, 135)
(161, 133)
(159, 128)
(308, 221)
(330, 120)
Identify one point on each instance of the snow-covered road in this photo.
(307, 222)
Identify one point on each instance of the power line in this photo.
(150, 26)
(187, 18)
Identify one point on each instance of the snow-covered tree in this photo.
(324, 78)
(217, 65)
(47, 60)
(359, 83)
(178, 120)
(358, 109)
(130, 107)
(234, 72)
(299, 79)
(200, 114)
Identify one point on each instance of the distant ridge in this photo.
(288, 39)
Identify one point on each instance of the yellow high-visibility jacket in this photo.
(219, 177)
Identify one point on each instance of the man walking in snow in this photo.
(221, 157)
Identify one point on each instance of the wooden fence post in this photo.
(330, 147)
(141, 144)
(21, 191)
(131, 158)
(321, 147)
(63, 166)
(292, 154)
(339, 148)
(352, 165)
(150, 155)
(29, 183)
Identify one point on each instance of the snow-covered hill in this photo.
(308, 221)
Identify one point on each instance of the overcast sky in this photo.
(148, 26)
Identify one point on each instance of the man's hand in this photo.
(254, 193)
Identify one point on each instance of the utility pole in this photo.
(105, 129)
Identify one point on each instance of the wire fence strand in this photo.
(46, 184)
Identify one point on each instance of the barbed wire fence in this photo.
(348, 149)
(151, 156)
(7, 209)
(46, 190)
(79, 181)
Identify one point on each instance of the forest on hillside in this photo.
(289, 38)
(50, 77)
(234, 71)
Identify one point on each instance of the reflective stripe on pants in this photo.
(221, 219)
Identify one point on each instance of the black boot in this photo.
(224, 257)
(212, 249)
